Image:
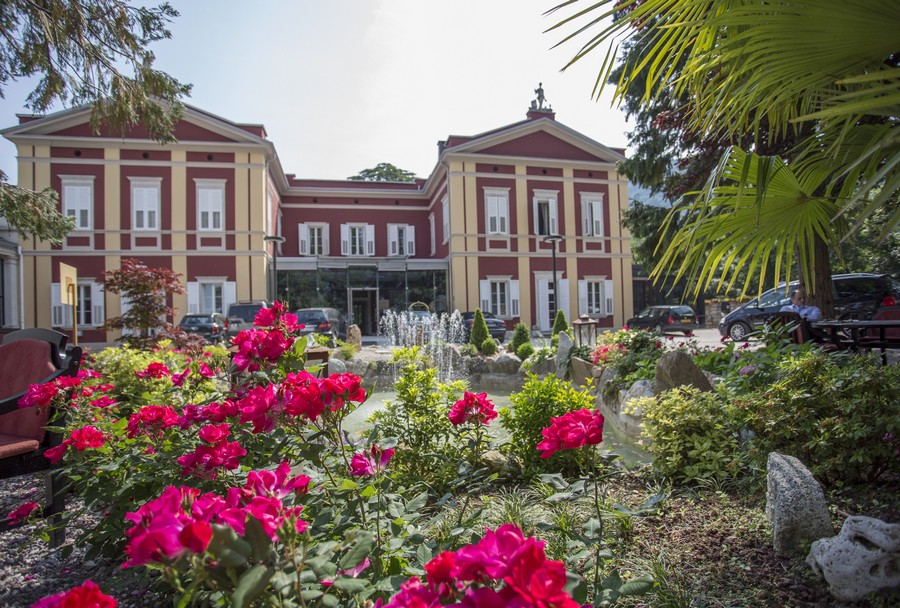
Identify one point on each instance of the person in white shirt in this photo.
(798, 305)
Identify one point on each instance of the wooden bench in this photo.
(32, 356)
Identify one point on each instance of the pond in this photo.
(356, 422)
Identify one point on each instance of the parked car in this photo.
(665, 319)
(211, 326)
(241, 315)
(323, 321)
(856, 296)
(496, 326)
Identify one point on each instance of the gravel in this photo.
(30, 569)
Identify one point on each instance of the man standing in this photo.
(798, 305)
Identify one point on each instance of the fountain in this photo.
(434, 333)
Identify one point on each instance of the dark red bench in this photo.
(32, 356)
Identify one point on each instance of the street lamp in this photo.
(276, 241)
(553, 239)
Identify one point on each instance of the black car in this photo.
(496, 326)
(323, 321)
(665, 319)
(856, 296)
(211, 326)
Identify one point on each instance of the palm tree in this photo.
(773, 69)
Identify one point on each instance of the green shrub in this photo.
(532, 407)
(427, 447)
(525, 350)
(631, 354)
(468, 350)
(692, 435)
(559, 323)
(840, 417)
(520, 336)
(489, 347)
(479, 332)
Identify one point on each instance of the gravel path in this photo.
(30, 569)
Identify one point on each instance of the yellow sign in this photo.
(68, 284)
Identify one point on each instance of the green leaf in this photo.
(423, 554)
(260, 543)
(637, 586)
(251, 585)
(365, 542)
(348, 484)
(418, 503)
(228, 549)
(351, 585)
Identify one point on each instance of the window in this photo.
(211, 297)
(90, 306)
(402, 240)
(313, 239)
(592, 214)
(145, 203)
(445, 212)
(210, 204)
(595, 296)
(500, 296)
(545, 212)
(496, 204)
(357, 239)
(78, 200)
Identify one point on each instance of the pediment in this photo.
(543, 138)
(194, 126)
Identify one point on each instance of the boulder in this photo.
(496, 462)
(354, 336)
(337, 366)
(475, 366)
(563, 348)
(504, 363)
(676, 368)
(543, 368)
(641, 388)
(862, 559)
(795, 505)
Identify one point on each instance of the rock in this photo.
(337, 366)
(641, 388)
(563, 348)
(505, 363)
(676, 368)
(542, 368)
(354, 336)
(496, 462)
(475, 366)
(862, 559)
(795, 504)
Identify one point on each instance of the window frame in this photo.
(551, 198)
(78, 181)
(591, 203)
(149, 184)
(496, 204)
(210, 185)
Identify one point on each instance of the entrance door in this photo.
(363, 308)
(546, 294)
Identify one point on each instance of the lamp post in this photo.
(276, 241)
(553, 239)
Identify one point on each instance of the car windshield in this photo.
(246, 312)
(196, 319)
(310, 316)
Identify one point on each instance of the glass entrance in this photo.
(362, 303)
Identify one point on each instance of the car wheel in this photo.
(739, 330)
(688, 334)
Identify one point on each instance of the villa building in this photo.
(472, 234)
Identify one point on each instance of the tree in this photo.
(147, 291)
(776, 72)
(479, 330)
(91, 52)
(560, 324)
(384, 172)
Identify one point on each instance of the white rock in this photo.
(795, 504)
(862, 559)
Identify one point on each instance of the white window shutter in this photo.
(504, 212)
(325, 229)
(370, 239)
(563, 299)
(392, 238)
(484, 288)
(99, 304)
(410, 240)
(514, 298)
(345, 239)
(586, 218)
(597, 207)
(56, 309)
(608, 297)
(193, 297)
(553, 216)
(229, 295)
(582, 298)
(303, 235)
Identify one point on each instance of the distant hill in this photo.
(635, 192)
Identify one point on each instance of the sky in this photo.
(343, 85)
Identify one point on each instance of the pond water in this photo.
(356, 423)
